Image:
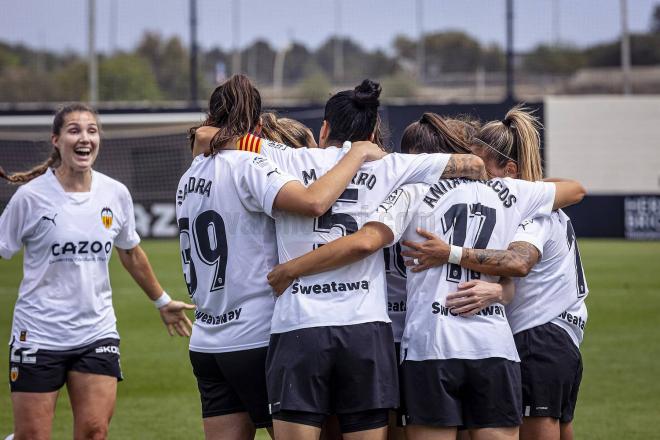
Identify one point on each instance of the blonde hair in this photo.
(516, 138)
(286, 131)
(55, 159)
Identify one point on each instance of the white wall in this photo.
(610, 143)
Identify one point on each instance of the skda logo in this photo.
(106, 217)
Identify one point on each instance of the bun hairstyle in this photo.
(54, 159)
(286, 131)
(433, 134)
(516, 138)
(234, 108)
(353, 114)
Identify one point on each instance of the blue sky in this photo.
(61, 25)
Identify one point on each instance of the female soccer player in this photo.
(227, 248)
(331, 348)
(286, 131)
(68, 218)
(455, 369)
(548, 313)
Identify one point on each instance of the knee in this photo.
(93, 431)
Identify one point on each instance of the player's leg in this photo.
(550, 373)
(566, 431)
(420, 432)
(33, 414)
(236, 426)
(395, 429)
(92, 383)
(245, 372)
(298, 371)
(223, 414)
(492, 399)
(540, 428)
(494, 433)
(35, 377)
(93, 399)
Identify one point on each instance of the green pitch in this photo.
(619, 398)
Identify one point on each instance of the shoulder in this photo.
(35, 189)
(107, 183)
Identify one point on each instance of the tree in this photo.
(126, 77)
(169, 62)
(562, 60)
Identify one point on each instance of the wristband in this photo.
(455, 254)
(162, 301)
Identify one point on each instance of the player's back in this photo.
(355, 293)
(475, 214)
(227, 248)
(555, 288)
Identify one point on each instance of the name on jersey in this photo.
(80, 248)
(437, 190)
(396, 306)
(361, 178)
(574, 320)
(195, 185)
(329, 287)
(494, 310)
(226, 317)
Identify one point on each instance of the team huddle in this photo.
(339, 291)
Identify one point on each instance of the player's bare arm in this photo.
(341, 252)
(316, 199)
(137, 264)
(474, 296)
(516, 261)
(465, 165)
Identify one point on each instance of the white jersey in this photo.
(476, 214)
(556, 283)
(228, 247)
(573, 320)
(356, 293)
(64, 300)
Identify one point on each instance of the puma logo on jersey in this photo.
(43, 217)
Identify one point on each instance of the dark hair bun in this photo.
(367, 94)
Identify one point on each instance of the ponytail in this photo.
(432, 134)
(515, 138)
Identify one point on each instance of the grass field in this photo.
(619, 398)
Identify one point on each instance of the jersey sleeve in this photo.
(534, 199)
(259, 182)
(417, 168)
(533, 231)
(278, 153)
(128, 237)
(397, 211)
(13, 225)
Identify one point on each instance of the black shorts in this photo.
(233, 382)
(551, 371)
(44, 371)
(334, 369)
(400, 412)
(471, 394)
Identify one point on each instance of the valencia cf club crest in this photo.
(13, 374)
(106, 217)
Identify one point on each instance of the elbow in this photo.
(315, 208)
(364, 248)
(477, 167)
(520, 269)
(581, 192)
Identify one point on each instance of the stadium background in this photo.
(147, 100)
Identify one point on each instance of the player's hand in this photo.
(175, 319)
(473, 296)
(425, 255)
(280, 278)
(369, 149)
